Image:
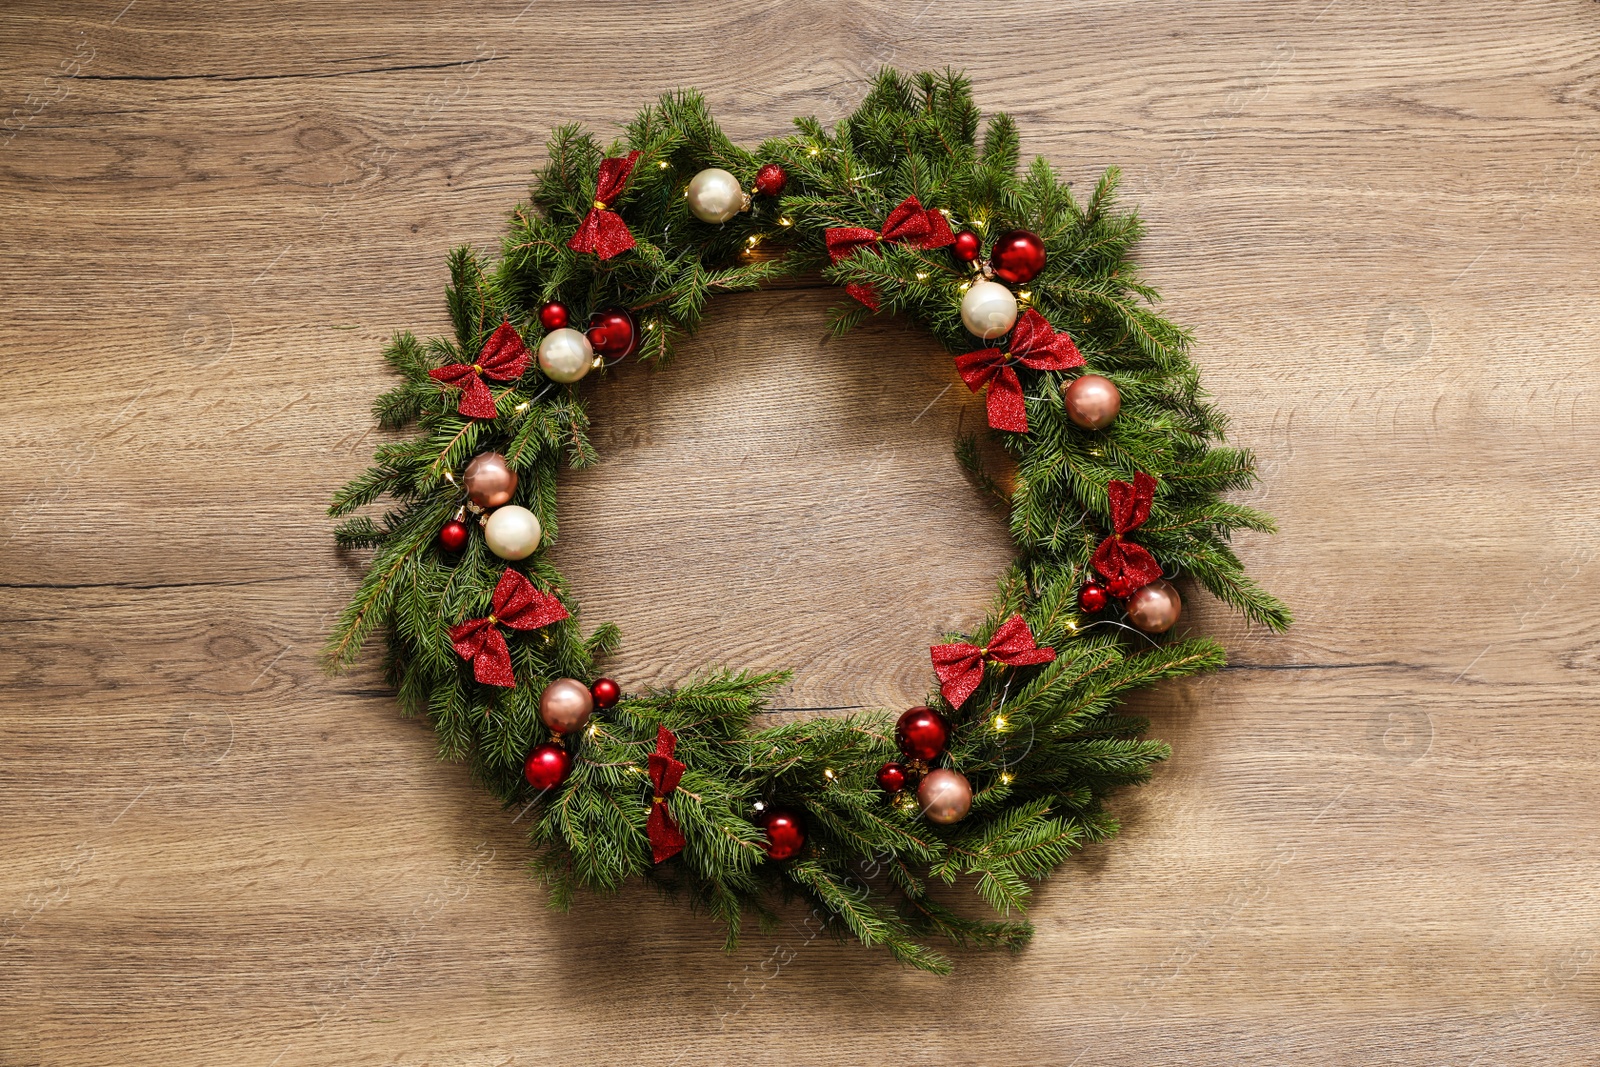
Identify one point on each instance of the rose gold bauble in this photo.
(490, 480)
(945, 796)
(565, 706)
(1092, 401)
(1155, 607)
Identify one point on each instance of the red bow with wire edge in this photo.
(602, 230)
(1127, 566)
(504, 358)
(666, 840)
(960, 666)
(1033, 344)
(517, 604)
(910, 224)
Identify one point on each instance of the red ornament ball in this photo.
(922, 733)
(606, 692)
(547, 766)
(1093, 598)
(770, 179)
(554, 316)
(786, 833)
(891, 777)
(968, 247)
(453, 536)
(1017, 257)
(613, 335)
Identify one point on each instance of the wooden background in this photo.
(1375, 842)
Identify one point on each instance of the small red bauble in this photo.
(547, 766)
(606, 692)
(967, 246)
(922, 733)
(453, 536)
(770, 179)
(1093, 598)
(613, 335)
(891, 777)
(554, 316)
(786, 833)
(1017, 257)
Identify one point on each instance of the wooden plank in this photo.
(1370, 845)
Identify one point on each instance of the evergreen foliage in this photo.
(1042, 746)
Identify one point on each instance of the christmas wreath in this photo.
(1120, 471)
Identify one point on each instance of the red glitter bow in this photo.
(1033, 344)
(960, 666)
(504, 358)
(910, 224)
(517, 604)
(602, 230)
(1127, 566)
(666, 840)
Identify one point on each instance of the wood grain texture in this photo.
(1374, 843)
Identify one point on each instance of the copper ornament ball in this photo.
(1092, 401)
(490, 480)
(1155, 607)
(565, 706)
(945, 796)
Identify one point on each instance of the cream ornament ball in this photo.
(565, 355)
(512, 532)
(714, 195)
(988, 310)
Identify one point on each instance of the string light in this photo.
(451, 478)
(816, 151)
(999, 722)
(753, 239)
(922, 275)
(1005, 777)
(593, 730)
(525, 405)
(663, 164)
(786, 221)
(828, 774)
(1024, 295)
(964, 286)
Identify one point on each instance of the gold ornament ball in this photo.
(1092, 401)
(945, 796)
(714, 195)
(565, 355)
(565, 706)
(512, 532)
(1155, 607)
(988, 310)
(490, 480)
